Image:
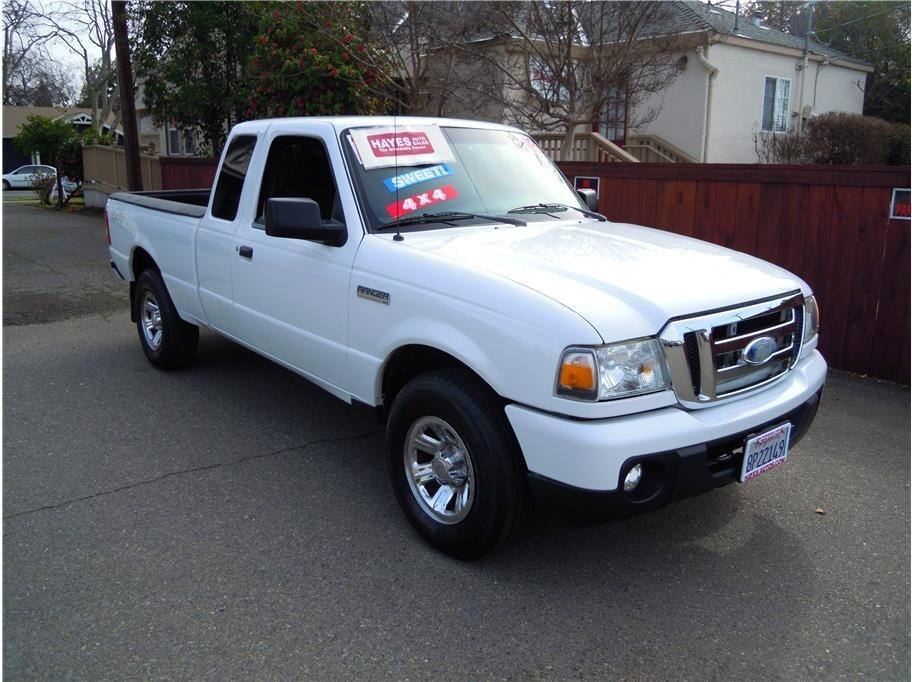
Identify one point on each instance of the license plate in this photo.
(765, 451)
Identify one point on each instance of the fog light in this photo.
(632, 480)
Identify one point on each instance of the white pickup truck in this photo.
(518, 345)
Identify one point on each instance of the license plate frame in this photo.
(765, 451)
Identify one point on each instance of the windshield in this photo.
(409, 171)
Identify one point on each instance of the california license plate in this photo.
(765, 451)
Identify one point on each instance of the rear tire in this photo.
(168, 341)
(455, 466)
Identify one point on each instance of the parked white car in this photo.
(22, 177)
(517, 345)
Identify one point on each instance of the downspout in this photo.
(712, 72)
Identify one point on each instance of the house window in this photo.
(180, 141)
(775, 105)
(613, 121)
(543, 81)
(549, 84)
(174, 142)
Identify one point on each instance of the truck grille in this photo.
(722, 354)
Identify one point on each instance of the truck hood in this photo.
(626, 281)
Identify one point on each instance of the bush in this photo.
(899, 145)
(91, 136)
(71, 161)
(787, 147)
(43, 186)
(844, 139)
(837, 138)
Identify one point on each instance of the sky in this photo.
(60, 53)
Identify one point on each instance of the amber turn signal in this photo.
(578, 373)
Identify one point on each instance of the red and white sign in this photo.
(400, 146)
(416, 202)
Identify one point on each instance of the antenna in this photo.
(398, 237)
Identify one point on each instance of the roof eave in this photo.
(752, 43)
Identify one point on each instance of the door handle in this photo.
(245, 251)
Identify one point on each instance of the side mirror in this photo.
(590, 198)
(300, 219)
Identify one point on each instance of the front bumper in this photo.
(576, 466)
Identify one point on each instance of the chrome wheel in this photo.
(439, 470)
(151, 321)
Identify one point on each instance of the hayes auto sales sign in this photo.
(400, 146)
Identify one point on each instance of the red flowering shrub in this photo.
(301, 63)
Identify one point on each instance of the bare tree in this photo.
(554, 65)
(39, 81)
(86, 27)
(411, 53)
(27, 69)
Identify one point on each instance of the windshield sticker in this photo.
(400, 146)
(414, 177)
(419, 201)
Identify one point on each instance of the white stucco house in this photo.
(733, 76)
(738, 80)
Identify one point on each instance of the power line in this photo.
(855, 21)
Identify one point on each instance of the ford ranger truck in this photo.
(519, 346)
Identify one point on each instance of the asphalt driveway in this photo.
(233, 521)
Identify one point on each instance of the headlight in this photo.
(616, 370)
(811, 318)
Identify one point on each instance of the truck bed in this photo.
(188, 202)
(163, 224)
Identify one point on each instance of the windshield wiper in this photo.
(542, 208)
(446, 217)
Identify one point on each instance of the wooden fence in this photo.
(828, 224)
(105, 169)
(187, 172)
(105, 172)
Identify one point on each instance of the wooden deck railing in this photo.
(653, 149)
(586, 147)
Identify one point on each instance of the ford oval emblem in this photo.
(759, 350)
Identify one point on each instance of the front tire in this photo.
(455, 466)
(6, 185)
(168, 341)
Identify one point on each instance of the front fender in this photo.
(508, 334)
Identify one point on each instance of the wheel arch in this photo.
(412, 360)
(140, 261)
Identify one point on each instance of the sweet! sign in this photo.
(400, 146)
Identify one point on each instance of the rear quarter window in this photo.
(230, 182)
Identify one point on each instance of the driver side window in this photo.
(298, 167)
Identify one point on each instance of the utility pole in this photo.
(127, 100)
(804, 65)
